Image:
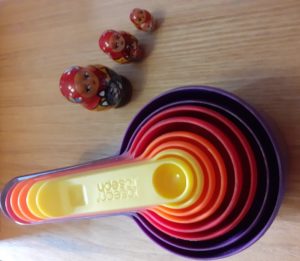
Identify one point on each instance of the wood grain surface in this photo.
(248, 47)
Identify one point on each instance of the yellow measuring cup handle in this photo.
(140, 184)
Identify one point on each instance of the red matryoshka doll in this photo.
(142, 19)
(95, 87)
(122, 47)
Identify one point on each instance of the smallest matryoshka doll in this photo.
(121, 46)
(142, 19)
(95, 87)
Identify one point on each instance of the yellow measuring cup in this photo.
(198, 182)
(143, 183)
(31, 200)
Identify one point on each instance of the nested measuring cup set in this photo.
(198, 170)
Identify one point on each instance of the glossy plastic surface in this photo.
(224, 135)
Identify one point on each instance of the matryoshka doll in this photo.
(121, 46)
(95, 87)
(142, 19)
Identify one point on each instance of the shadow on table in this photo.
(148, 39)
(56, 236)
(135, 72)
(278, 99)
(8, 229)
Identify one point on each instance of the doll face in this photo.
(117, 42)
(86, 83)
(139, 16)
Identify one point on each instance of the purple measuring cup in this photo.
(257, 126)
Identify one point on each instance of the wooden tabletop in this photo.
(248, 47)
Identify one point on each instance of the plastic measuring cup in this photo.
(183, 110)
(219, 167)
(200, 183)
(231, 237)
(266, 136)
(266, 144)
(201, 127)
(79, 194)
(22, 203)
(10, 210)
(33, 178)
(211, 185)
(257, 204)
